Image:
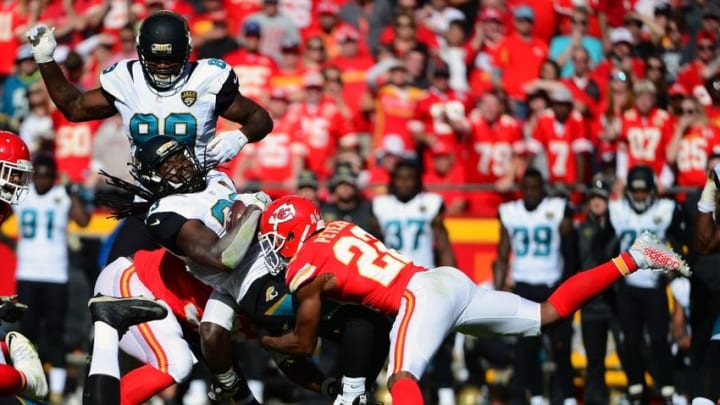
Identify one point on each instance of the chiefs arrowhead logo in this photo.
(282, 214)
(188, 97)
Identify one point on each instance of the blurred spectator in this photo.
(406, 36)
(617, 99)
(705, 64)
(395, 104)
(489, 32)
(218, 42)
(655, 72)
(391, 151)
(328, 27)
(693, 142)
(277, 29)
(441, 115)
(520, 57)
(561, 134)
(676, 94)
(353, 66)
(98, 51)
(672, 46)
(492, 154)
(368, 17)
(209, 26)
(307, 186)
(620, 57)
(14, 102)
(278, 159)
(289, 75)
(37, 128)
(444, 171)
(458, 54)
(416, 61)
(111, 153)
(544, 16)
(646, 131)
(314, 54)
(562, 47)
(318, 125)
(586, 89)
(437, 16)
(252, 68)
(645, 31)
(346, 202)
(334, 90)
(712, 86)
(17, 17)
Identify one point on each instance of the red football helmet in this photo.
(15, 168)
(284, 225)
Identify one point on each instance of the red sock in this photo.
(11, 381)
(406, 392)
(583, 286)
(142, 384)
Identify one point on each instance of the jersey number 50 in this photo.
(374, 260)
(182, 126)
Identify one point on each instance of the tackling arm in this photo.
(303, 339)
(500, 266)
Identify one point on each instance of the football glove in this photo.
(42, 42)
(225, 145)
(11, 310)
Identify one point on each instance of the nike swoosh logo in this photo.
(155, 222)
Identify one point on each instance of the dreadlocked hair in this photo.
(122, 207)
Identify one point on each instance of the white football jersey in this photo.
(212, 207)
(187, 111)
(407, 227)
(629, 224)
(42, 244)
(535, 240)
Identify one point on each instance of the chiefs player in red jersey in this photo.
(20, 369)
(342, 262)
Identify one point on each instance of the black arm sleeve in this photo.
(569, 248)
(164, 227)
(227, 94)
(678, 231)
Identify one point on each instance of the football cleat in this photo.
(25, 359)
(365, 399)
(651, 253)
(122, 313)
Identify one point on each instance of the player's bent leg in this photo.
(142, 383)
(11, 381)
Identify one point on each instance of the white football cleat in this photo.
(25, 359)
(652, 254)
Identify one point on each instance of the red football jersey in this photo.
(73, 146)
(455, 177)
(366, 271)
(395, 107)
(433, 110)
(694, 149)
(253, 71)
(646, 137)
(165, 275)
(561, 143)
(492, 148)
(12, 21)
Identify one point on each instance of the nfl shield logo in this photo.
(188, 97)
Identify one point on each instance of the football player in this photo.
(160, 93)
(343, 262)
(188, 208)
(20, 369)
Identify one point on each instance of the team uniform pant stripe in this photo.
(144, 329)
(402, 330)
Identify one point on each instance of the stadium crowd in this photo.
(477, 92)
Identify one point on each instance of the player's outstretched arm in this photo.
(75, 105)
(303, 339)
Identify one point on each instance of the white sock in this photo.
(105, 351)
(570, 401)
(537, 400)
(228, 378)
(352, 387)
(257, 388)
(702, 401)
(446, 396)
(57, 379)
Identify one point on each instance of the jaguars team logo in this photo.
(188, 97)
(270, 294)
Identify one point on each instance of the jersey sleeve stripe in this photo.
(402, 331)
(302, 276)
(145, 331)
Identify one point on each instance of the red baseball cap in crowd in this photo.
(328, 7)
(440, 149)
(677, 89)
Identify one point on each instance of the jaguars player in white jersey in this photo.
(160, 93)
(188, 208)
(412, 221)
(642, 296)
(539, 232)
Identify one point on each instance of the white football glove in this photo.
(42, 42)
(226, 145)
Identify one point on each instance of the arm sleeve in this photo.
(227, 93)
(164, 227)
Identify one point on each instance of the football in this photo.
(236, 211)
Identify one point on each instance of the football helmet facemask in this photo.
(285, 225)
(163, 47)
(640, 178)
(15, 168)
(165, 166)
